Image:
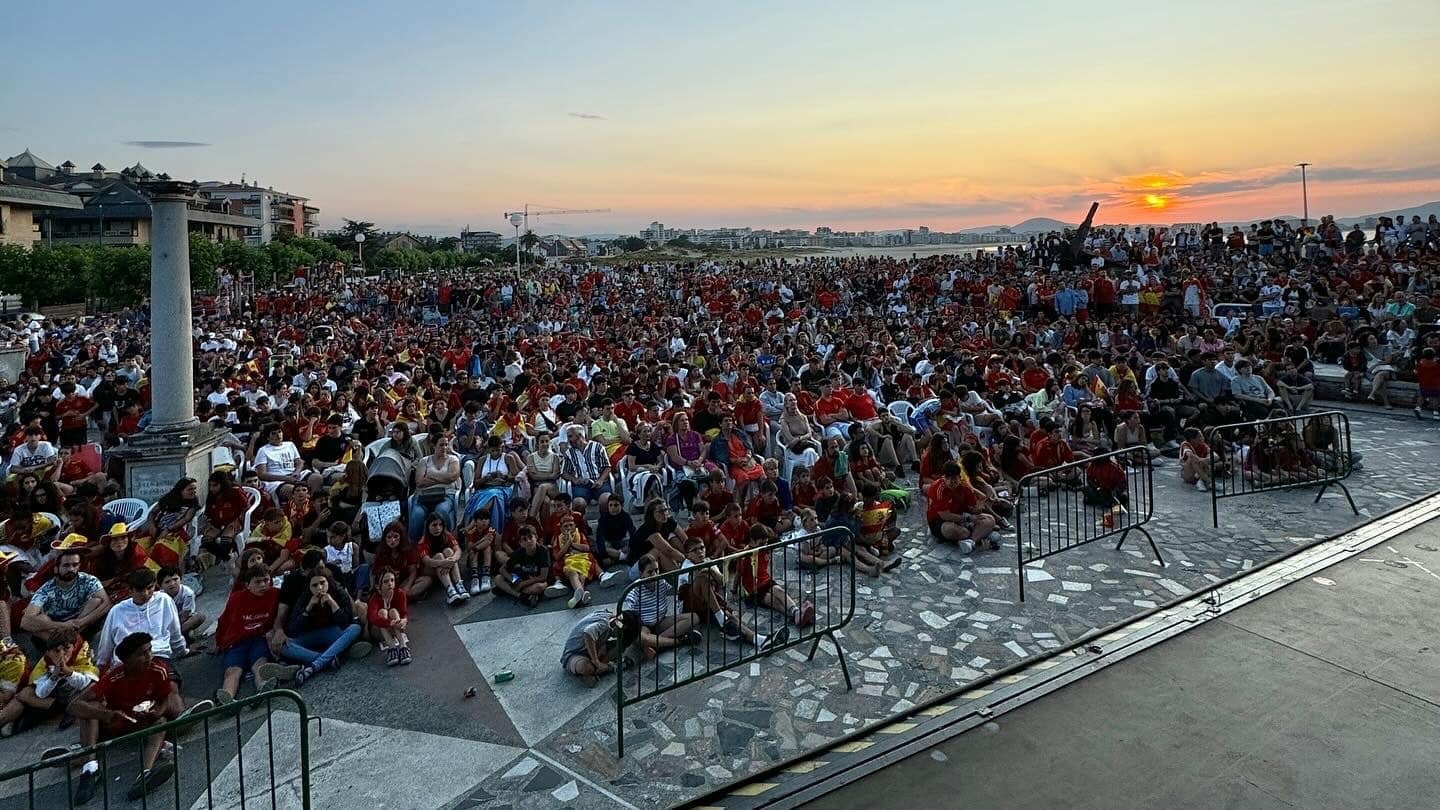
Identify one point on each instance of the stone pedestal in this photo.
(155, 460)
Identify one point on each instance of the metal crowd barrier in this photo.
(831, 588)
(1059, 510)
(122, 756)
(1283, 452)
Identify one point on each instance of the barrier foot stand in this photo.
(1343, 489)
(839, 653)
(1150, 540)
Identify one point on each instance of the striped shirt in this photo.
(652, 601)
(585, 463)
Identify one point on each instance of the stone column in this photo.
(176, 443)
(172, 357)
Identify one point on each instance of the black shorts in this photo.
(74, 437)
(967, 521)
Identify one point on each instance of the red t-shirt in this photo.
(123, 691)
(1427, 374)
(941, 497)
(1107, 475)
(861, 406)
(398, 602)
(71, 412)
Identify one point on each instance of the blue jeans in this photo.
(419, 515)
(590, 494)
(332, 641)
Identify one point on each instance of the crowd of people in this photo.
(542, 434)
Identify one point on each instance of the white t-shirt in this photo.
(24, 458)
(282, 459)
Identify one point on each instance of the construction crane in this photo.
(521, 219)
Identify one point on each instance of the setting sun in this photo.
(1156, 201)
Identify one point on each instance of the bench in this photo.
(1330, 384)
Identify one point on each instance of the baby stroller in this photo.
(387, 491)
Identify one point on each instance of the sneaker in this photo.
(151, 779)
(609, 576)
(279, 673)
(304, 674)
(1417, 412)
(585, 599)
(965, 546)
(358, 650)
(1200, 485)
(462, 593)
(556, 589)
(774, 640)
(807, 614)
(485, 584)
(392, 656)
(85, 786)
(452, 596)
(693, 637)
(731, 631)
(575, 599)
(7, 730)
(893, 563)
(405, 657)
(475, 586)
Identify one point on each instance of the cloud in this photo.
(587, 116)
(166, 144)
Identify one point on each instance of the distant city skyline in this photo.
(849, 115)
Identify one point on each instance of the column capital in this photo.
(170, 189)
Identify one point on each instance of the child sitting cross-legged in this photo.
(526, 570)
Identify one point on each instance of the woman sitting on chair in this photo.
(437, 479)
(647, 476)
(499, 476)
(224, 517)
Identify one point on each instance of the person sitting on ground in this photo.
(759, 589)
(701, 592)
(481, 548)
(135, 695)
(70, 598)
(1195, 460)
(275, 537)
(949, 510)
(65, 669)
(570, 556)
(342, 555)
(663, 625)
(242, 634)
(321, 627)
(878, 531)
(150, 611)
(396, 553)
(613, 531)
(525, 572)
(1106, 483)
(191, 620)
(388, 614)
(439, 554)
(591, 643)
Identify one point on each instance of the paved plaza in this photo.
(409, 738)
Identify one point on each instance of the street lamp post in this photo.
(360, 246)
(1304, 196)
(516, 219)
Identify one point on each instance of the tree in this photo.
(630, 244)
(448, 243)
(204, 261)
(242, 258)
(354, 226)
(529, 241)
(680, 242)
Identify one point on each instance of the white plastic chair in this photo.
(252, 497)
(467, 479)
(900, 409)
(133, 512)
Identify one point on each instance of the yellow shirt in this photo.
(83, 661)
